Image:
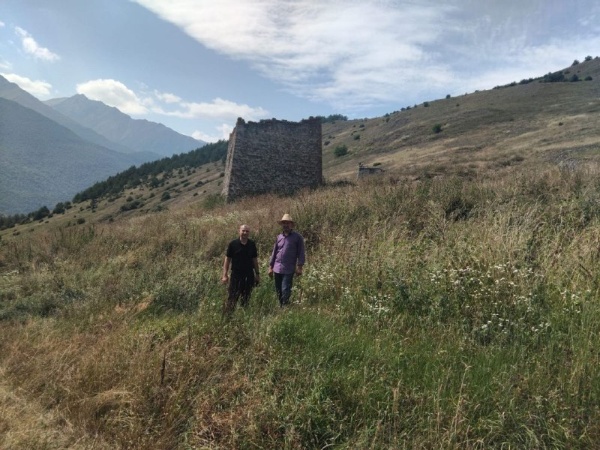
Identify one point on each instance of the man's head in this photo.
(244, 232)
(287, 223)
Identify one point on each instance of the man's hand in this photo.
(224, 279)
(270, 272)
(298, 270)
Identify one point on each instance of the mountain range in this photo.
(139, 135)
(51, 150)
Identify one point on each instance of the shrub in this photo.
(131, 205)
(213, 201)
(340, 150)
(553, 77)
(437, 128)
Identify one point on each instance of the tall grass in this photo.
(445, 313)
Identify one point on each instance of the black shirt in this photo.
(241, 257)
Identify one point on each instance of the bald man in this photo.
(242, 257)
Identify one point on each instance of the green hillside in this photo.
(451, 302)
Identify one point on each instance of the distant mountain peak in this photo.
(113, 124)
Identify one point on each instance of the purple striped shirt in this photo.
(287, 252)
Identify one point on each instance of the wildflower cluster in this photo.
(319, 284)
(495, 303)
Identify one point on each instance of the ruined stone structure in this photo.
(273, 156)
(364, 171)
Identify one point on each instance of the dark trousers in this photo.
(240, 289)
(283, 286)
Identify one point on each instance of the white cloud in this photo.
(31, 47)
(357, 53)
(2, 24)
(5, 65)
(218, 109)
(167, 97)
(37, 88)
(224, 131)
(117, 94)
(317, 49)
(113, 93)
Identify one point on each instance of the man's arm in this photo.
(256, 270)
(226, 264)
(272, 260)
(301, 255)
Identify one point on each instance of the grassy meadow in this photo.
(454, 313)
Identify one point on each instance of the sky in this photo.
(198, 65)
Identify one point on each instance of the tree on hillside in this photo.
(59, 208)
(332, 118)
(41, 213)
(134, 176)
(553, 77)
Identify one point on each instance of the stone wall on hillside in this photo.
(364, 171)
(273, 156)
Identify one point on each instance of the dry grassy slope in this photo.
(184, 190)
(525, 125)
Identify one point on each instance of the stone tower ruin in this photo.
(273, 156)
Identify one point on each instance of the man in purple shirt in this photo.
(287, 259)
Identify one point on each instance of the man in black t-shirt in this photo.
(242, 256)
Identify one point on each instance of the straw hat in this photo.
(286, 218)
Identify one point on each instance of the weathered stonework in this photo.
(364, 171)
(273, 156)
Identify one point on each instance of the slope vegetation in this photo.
(451, 303)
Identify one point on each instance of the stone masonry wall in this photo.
(273, 156)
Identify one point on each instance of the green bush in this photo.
(340, 150)
(213, 201)
(131, 205)
(437, 128)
